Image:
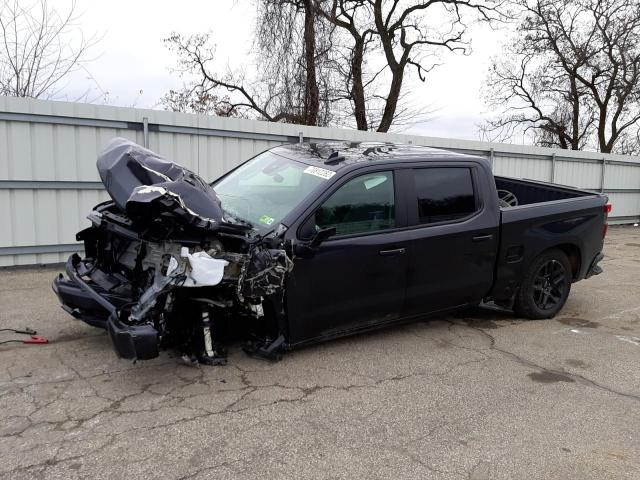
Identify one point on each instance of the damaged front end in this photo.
(165, 266)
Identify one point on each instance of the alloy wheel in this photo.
(549, 285)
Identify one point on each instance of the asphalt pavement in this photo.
(480, 395)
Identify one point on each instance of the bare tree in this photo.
(352, 72)
(326, 62)
(571, 75)
(410, 34)
(39, 47)
(294, 46)
(537, 98)
(292, 84)
(191, 100)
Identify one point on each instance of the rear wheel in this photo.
(545, 286)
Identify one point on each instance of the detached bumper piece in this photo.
(594, 268)
(97, 307)
(77, 303)
(134, 342)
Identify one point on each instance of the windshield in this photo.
(266, 188)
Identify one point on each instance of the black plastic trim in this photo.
(133, 342)
(594, 268)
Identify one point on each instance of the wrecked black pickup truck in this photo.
(307, 242)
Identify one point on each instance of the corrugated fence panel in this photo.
(622, 177)
(49, 183)
(578, 174)
(532, 168)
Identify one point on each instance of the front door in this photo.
(357, 278)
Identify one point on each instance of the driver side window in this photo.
(364, 204)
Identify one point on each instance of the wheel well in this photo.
(573, 254)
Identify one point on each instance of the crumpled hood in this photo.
(145, 186)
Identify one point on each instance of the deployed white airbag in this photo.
(202, 270)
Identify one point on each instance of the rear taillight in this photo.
(605, 227)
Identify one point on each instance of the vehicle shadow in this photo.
(483, 317)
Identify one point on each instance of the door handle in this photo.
(482, 238)
(390, 253)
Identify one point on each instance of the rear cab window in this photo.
(444, 194)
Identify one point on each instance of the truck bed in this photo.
(546, 216)
(529, 191)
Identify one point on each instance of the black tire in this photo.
(545, 286)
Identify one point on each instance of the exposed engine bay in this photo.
(166, 267)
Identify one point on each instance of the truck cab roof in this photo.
(340, 155)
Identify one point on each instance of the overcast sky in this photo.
(131, 57)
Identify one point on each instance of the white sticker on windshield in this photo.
(319, 172)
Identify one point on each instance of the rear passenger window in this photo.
(444, 194)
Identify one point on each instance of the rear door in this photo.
(356, 278)
(454, 236)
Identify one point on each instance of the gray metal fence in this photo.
(48, 179)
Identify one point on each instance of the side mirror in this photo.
(308, 248)
(321, 235)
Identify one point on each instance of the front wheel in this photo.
(545, 286)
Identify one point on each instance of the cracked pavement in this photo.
(476, 395)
